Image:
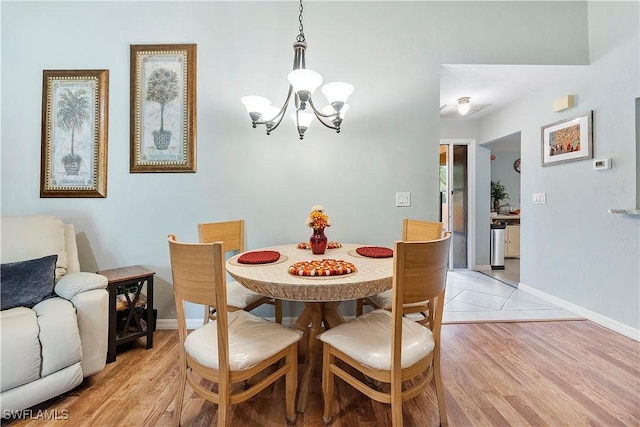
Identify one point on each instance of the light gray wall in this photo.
(572, 248)
(390, 51)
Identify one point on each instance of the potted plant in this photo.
(162, 88)
(73, 111)
(498, 192)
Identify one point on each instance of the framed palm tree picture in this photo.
(163, 108)
(75, 122)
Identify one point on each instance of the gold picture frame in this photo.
(163, 108)
(75, 122)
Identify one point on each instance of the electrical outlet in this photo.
(539, 198)
(403, 199)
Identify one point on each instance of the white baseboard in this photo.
(601, 320)
(482, 268)
(173, 323)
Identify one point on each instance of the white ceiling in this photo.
(491, 87)
(495, 85)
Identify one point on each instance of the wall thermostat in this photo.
(601, 164)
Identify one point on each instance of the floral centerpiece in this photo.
(318, 220)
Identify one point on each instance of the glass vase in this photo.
(318, 241)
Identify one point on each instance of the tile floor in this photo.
(475, 297)
(510, 274)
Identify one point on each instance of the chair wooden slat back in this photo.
(423, 268)
(415, 230)
(229, 232)
(198, 272)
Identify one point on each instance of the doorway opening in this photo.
(457, 201)
(506, 171)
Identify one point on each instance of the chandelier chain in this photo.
(300, 37)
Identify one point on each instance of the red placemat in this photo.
(375, 252)
(259, 257)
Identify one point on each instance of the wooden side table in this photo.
(125, 295)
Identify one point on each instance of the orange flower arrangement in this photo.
(317, 218)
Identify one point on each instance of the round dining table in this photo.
(321, 295)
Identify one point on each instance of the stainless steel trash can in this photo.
(497, 246)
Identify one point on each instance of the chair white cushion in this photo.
(239, 296)
(367, 339)
(39, 342)
(20, 348)
(59, 335)
(252, 339)
(385, 299)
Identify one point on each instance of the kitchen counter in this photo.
(504, 216)
(505, 219)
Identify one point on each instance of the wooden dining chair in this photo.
(231, 233)
(387, 347)
(412, 230)
(233, 347)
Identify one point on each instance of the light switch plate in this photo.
(403, 199)
(539, 198)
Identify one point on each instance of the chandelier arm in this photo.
(320, 119)
(280, 113)
(319, 113)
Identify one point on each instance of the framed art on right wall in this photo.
(568, 140)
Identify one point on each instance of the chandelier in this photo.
(302, 83)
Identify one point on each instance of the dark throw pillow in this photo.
(26, 283)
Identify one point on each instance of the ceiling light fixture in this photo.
(463, 105)
(303, 82)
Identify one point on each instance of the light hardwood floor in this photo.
(570, 373)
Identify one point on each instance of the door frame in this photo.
(471, 194)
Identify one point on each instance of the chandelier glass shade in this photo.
(302, 85)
